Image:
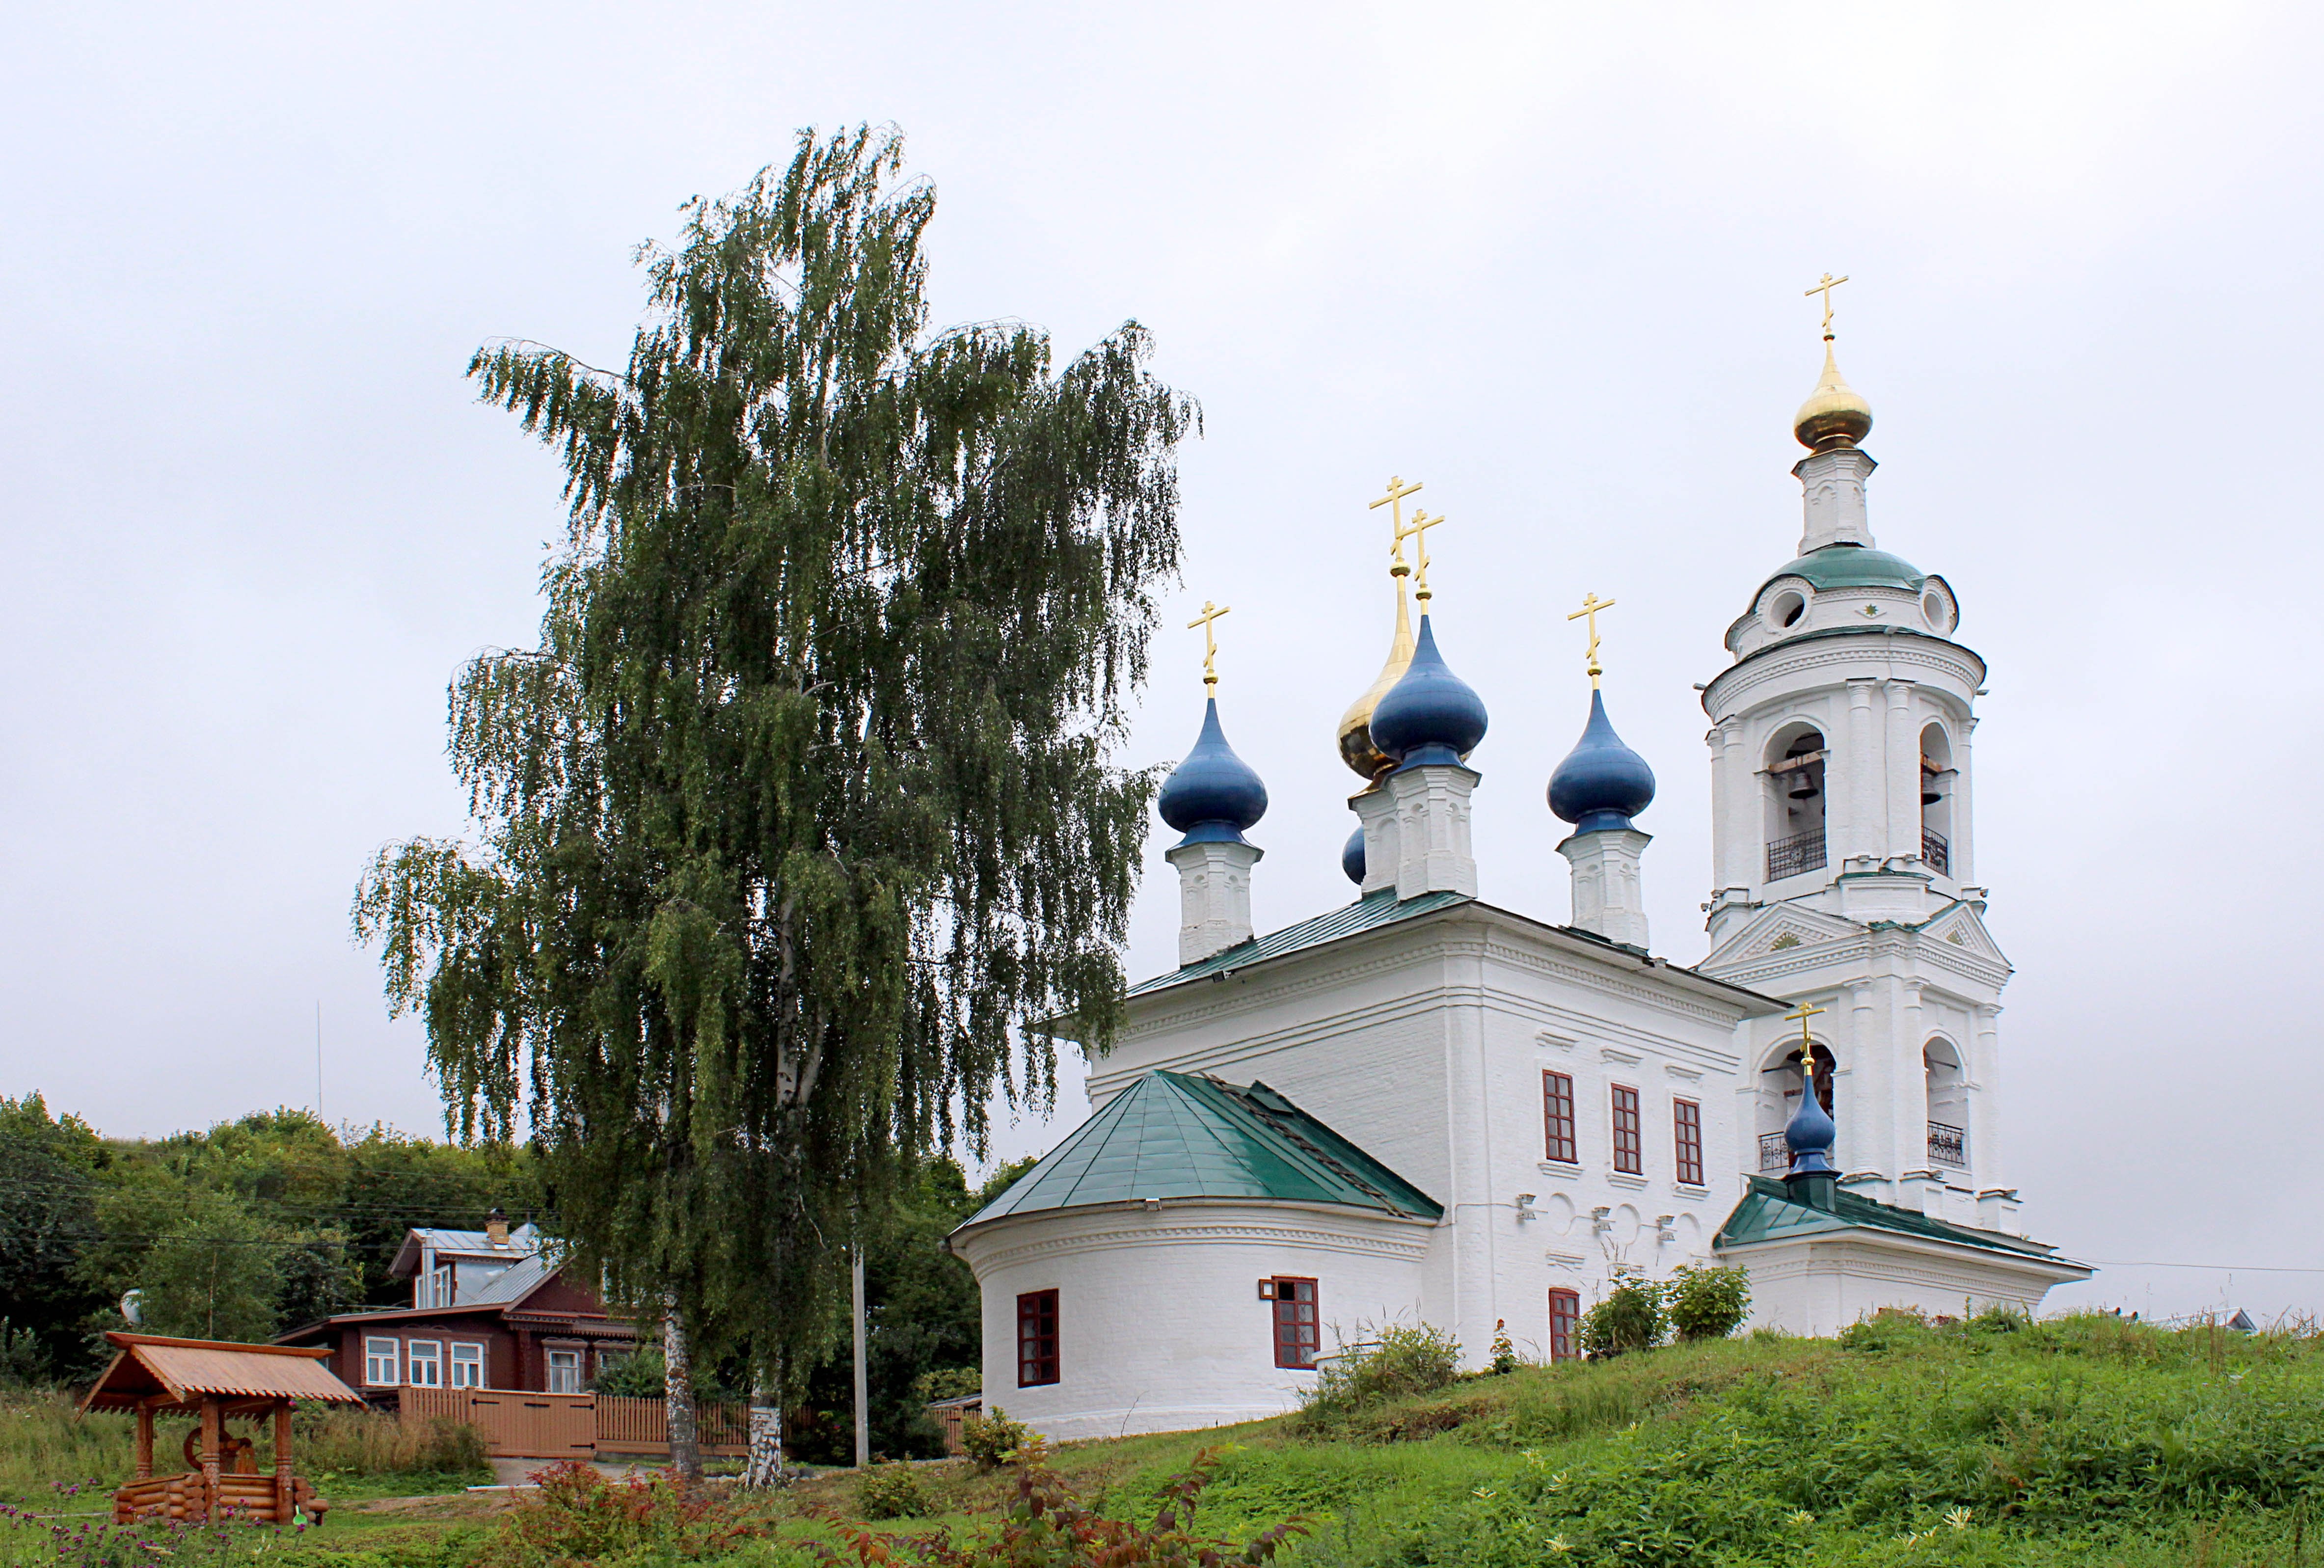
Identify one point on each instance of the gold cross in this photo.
(1805, 1012)
(1417, 531)
(1393, 500)
(1210, 641)
(1590, 605)
(1824, 286)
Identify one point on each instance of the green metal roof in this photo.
(1767, 1213)
(1368, 913)
(1852, 566)
(1173, 1135)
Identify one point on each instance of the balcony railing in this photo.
(1788, 857)
(1774, 1153)
(1948, 1146)
(1936, 853)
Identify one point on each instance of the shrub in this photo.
(1403, 1361)
(948, 1383)
(1505, 1354)
(1630, 1318)
(1707, 1304)
(890, 1491)
(991, 1441)
(577, 1518)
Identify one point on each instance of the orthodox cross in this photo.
(1418, 532)
(1210, 641)
(1824, 286)
(1590, 605)
(1393, 500)
(1807, 1047)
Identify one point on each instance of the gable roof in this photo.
(1769, 1214)
(523, 1242)
(184, 1370)
(1379, 908)
(1175, 1135)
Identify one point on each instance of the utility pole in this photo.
(862, 1403)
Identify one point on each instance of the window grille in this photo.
(1948, 1146)
(1788, 857)
(1936, 853)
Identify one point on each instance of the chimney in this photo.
(496, 1227)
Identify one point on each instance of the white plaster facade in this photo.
(1819, 1284)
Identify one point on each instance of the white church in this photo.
(1419, 1107)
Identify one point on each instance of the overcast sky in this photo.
(1547, 259)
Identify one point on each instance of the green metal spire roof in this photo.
(1173, 1135)
(1851, 566)
(1373, 910)
(1768, 1214)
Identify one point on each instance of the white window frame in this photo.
(427, 1353)
(439, 1285)
(383, 1355)
(466, 1366)
(566, 1361)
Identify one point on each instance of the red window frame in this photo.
(1686, 1133)
(1557, 1118)
(1037, 1338)
(1564, 1322)
(1629, 1150)
(1298, 1325)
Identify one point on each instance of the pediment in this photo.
(1779, 928)
(1961, 927)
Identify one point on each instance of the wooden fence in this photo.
(521, 1425)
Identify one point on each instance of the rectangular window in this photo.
(467, 1366)
(1565, 1318)
(1299, 1332)
(1558, 1117)
(565, 1372)
(382, 1363)
(425, 1364)
(1629, 1154)
(1037, 1338)
(442, 1294)
(1686, 1124)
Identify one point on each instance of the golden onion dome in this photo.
(1835, 414)
(1356, 748)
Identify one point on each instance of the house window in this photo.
(1299, 1334)
(467, 1366)
(1565, 1318)
(1037, 1338)
(1686, 1123)
(1558, 1117)
(382, 1363)
(441, 1285)
(565, 1372)
(425, 1364)
(1629, 1154)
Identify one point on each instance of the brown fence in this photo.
(521, 1425)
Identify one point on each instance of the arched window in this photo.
(1937, 778)
(1947, 1096)
(1778, 1097)
(1795, 802)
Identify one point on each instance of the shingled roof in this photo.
(181, 1372)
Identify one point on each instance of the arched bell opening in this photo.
(1778, 1095)
(1947, 1089)
(1795, 801)
(1937, 778)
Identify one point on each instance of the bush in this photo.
(1707, 1304)
(1403, 1361)
(948, 1383)
(991, 1441)
(890, 1491)
(577, 1518)
(1630, 1318)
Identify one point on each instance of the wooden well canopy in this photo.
(215, 1380)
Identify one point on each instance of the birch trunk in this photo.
(677, 1392)
(764, 1468)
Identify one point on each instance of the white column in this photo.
(1609, 897)
(1214, 896)
(1985, 1099)
(1863, 1133)
(1375, 811)
(1738, 817)
(1832, 485)
(1866, 827)
(1902, 773)
(1964, 835)
(1912, 1132)
(1432, 831)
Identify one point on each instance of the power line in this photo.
(2219, 1267)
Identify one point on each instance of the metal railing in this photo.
(1774, 1153)
(1936, 853)
(1788, 857)
(1948, 1146)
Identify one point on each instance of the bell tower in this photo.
(1843, 847)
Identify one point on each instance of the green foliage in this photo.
(799, 827)
(1405, 1359)
(332, 1441)
(1505, 1352)
(992, 1439)
(890, 1491)
(1630, 1318)
(1705, 1302)
(49, 1170)
(578, 1519)
(948, 1383)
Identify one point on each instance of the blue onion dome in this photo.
(1213, 794)
(1351, 858)
(1430, 716)
(1810, 1132)
(1603, 783)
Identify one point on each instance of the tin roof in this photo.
(1768, 1214)
(1374, 909)
(184, 1370)
(1173, 1135)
